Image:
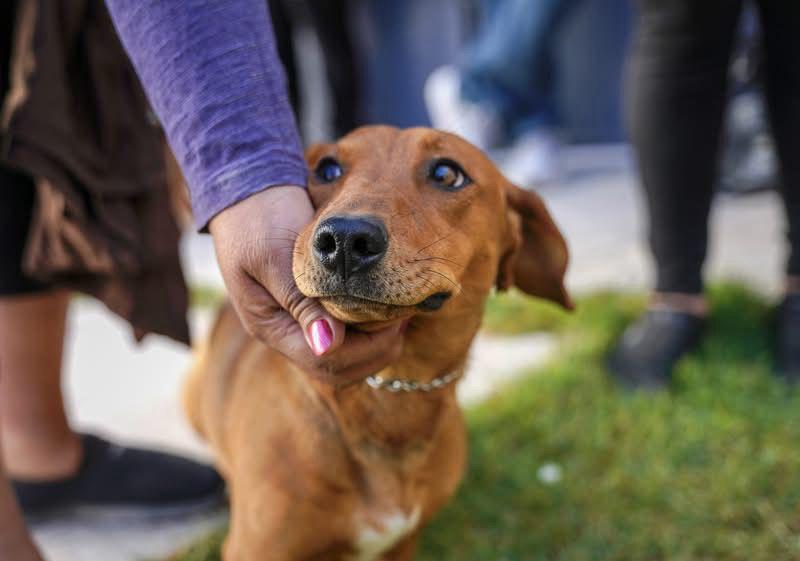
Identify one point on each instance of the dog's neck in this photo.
(392, 423)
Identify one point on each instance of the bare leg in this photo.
(15, 542)
(37, 442)
(35, 439)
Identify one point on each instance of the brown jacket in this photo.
(75, 118)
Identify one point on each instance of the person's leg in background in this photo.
(43, 462)
(284, 41)
(780, 22)
(478, 122)
(512, 66)
(35, 439)
(38, 443)
(48, 464)
(331, 21)
(505, 87)
(15, 541)
(676, 95)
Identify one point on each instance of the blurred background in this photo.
(588, 470)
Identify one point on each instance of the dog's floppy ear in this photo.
(535, 255)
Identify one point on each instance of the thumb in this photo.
(323, 333)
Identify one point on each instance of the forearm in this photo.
(212, 74)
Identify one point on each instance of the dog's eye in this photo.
(448, 174)
(328, 170)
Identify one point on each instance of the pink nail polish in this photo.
(320, 336)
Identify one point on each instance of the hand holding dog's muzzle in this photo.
(254, 241)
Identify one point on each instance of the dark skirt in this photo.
(83, 189)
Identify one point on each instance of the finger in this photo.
(274, 309)
(321, 331)
(254, 306)
(342, 366)
(362, 353)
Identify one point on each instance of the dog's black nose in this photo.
(348, 246)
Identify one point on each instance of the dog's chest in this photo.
(380, 534)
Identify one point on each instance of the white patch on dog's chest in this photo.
(376, 539)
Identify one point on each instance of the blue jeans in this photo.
(510, 64)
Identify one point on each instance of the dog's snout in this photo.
(347, 245)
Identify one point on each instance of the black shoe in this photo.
(124, 481)
(788, 348)
(646, 355)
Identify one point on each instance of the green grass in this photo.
(513, 312)
(709, 470)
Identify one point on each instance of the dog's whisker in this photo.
(432, 244)
(434, 259)
(429, 283)
(425, 280)
(445, 277)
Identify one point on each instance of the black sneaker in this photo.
(788, 348)
(646, 355)
(119, 481)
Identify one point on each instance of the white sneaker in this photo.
(533, 160)
(448, 111)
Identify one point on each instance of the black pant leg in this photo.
(331, 21)
(675, 97)
(283, 29)
(781, 32)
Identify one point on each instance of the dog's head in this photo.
(412, 221)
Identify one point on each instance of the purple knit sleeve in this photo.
(212, 74)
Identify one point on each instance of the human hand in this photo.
(254, 242)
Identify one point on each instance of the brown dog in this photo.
(414, 226)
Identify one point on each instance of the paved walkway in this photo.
(132, 392)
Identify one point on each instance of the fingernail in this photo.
(320, 336)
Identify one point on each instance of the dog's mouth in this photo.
(434, 301)
(358, 308)
(429, 304)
